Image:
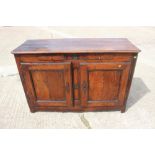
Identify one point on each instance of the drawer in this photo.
(106, 57)
(85, 57)
(41, 58)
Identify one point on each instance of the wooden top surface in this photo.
(77, 45)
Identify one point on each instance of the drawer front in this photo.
(100, 57)
(77, 57)
(41, 58)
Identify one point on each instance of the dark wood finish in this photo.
(77, 45)
(49, 84)
(103, 84)
(85, 75)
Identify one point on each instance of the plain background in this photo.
(77, 13)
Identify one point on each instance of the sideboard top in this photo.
(77, 45)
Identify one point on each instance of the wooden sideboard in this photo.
(80, 74)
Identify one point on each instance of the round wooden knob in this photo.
(119, 66)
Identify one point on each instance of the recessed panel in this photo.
(49, 85)
(103, 85)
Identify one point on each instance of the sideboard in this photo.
(79, 74)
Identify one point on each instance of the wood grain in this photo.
(103, 85)
(77, 45)
(76, 74)
(48, 84)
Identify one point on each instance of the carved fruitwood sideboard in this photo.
(80, 74)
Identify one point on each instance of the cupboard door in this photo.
(103, 84)
(48, 84)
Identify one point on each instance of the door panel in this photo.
(100, 81)
(50, 84)
(103, 84)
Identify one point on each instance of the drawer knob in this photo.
(119, 66)
(84, 87)
(67, 87)
(75, 57)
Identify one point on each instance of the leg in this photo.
(123, 109)
(32, 110)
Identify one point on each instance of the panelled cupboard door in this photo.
(103, 84)
(48, 84)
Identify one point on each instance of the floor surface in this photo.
(140, 113)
